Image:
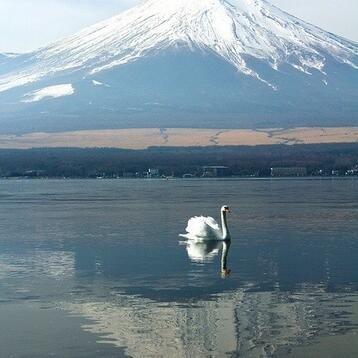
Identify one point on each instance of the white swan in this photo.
(202, 228)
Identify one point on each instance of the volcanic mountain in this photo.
(184, 63)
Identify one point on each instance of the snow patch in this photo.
(302, 69)
(97, 83)
(49, 92)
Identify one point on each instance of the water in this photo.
(96, 268)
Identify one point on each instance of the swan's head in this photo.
(225, 209)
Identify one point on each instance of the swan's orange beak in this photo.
(228, 210)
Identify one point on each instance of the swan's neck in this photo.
(225, 229)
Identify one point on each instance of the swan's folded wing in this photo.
(202, 226)
(212, 223)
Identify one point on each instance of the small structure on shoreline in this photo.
(215, 171)
(289, 172)
(152, 173)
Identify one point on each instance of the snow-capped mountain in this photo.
(170, 63)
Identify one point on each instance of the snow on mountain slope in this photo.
(49, 92)
(5, 57)
(253, 28)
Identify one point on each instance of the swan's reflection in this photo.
(206, 251)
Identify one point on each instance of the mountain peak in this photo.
(251, 29)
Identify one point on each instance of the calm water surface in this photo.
(96, 269)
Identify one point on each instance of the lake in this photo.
(95, 268)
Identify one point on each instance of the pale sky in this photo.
(28, 24)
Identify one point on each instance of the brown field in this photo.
(144, 138)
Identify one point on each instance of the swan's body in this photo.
(203, 228)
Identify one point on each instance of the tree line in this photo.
(241, 160)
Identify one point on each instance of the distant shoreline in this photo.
(317, 160)
(241, 178)
(143, 138)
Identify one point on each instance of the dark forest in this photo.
(241, 161)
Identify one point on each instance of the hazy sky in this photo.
(28, 24)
